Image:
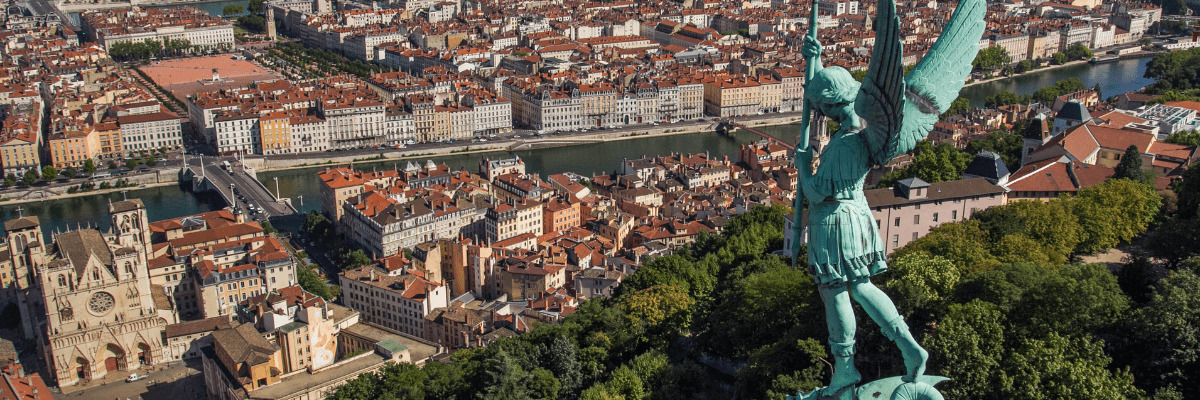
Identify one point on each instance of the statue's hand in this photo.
(812, 47)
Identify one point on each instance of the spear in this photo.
(810, 70)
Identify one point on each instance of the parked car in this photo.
(134, 377)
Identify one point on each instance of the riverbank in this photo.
(96, 192)
(273, 164)
(34, 194)
(1144, 54)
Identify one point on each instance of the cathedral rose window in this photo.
(100, 302)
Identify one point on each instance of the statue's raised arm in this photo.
(900, 111)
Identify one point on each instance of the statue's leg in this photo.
(839, 316)
(883, 312)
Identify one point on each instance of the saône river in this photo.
(174, 201)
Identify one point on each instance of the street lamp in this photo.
(277, 188)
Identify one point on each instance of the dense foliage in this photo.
(148, 48)
(321, 63)
(993, 298)
(991, 58)
(932, 163)
(1174, 71)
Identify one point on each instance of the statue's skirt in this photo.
(843, 242)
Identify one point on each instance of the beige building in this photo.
(913, 207)
(392, 299)
(506, 221)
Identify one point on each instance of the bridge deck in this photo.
(240, 190)
(781, 142)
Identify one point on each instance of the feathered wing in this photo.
(897, 119)
(880, 100)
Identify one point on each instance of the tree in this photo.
(1058, 58)
(10, 179)
(1113, 212)
(1174, 70)
(233, 9)
(962, 243)
(1078, 51)
(1186, 138)
(959, 106)
(1130, 166)
(31, 176)
(1175, 7)
(151, 161)
(564, 363)
(70, 172)
(968, 346)
(1051, 224)
(1007, 145)
(267, 228)
(253, 23)
(312, 283)
(1158, 340)
(919, 280)
(1024, 66)
(49, 173)
(354, 259)
(255, 7)
(1005, 98)
(939, 163)
(991, 58)
(1060, 367)
(132, 163)
(112, 165)
(505, 379)
(1046, 95)
(753, 311)
(660, 311)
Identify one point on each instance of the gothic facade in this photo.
(86, 296)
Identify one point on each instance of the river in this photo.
(174, 201)
(1114, 78)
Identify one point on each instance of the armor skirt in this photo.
(843, 242)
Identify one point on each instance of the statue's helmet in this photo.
(831, 86)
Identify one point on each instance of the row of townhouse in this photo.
(258, 123)
(574, 105)
(197, 27)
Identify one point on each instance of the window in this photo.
(935, 217)
(954, 215)
(897, 223)
(916, 219)
(895, 241)
(914, 236)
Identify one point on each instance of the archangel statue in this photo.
(881, 118)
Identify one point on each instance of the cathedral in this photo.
(86, 296)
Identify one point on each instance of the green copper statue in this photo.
(881, 118)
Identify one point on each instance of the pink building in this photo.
(911, 208)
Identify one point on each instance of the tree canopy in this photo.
(991, 58)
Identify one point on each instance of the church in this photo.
(86, 296)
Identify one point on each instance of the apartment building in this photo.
(353, 123)
(397, 301)
(197, 27)
(151, 131)
(909, 210)
(73, 148)
(384, 226)
(236, 132)
(516, 218)
(275, 133)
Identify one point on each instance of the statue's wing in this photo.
(931, 86)
(881, 99)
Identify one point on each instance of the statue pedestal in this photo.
(887, 388)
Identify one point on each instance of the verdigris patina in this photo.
(881, 118)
